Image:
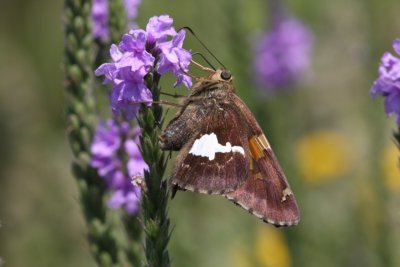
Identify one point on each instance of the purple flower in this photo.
(136, 55)
(388, 82)
(131, 63)
(100, 19)
(113, 142)
(131, 7)
(176, 59)
(283, 55)
(129, 199)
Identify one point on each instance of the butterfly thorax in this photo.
(208, 94)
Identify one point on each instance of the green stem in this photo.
(155, 197)
(118, 26)
(134, 230)
(383, 246)
(78, 66)
(396, 136)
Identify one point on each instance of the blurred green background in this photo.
(333, 141)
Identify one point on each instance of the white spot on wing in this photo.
(207, 146)
(286, 192)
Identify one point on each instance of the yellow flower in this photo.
(390, 167)
(241, 257)
(322, 156)
(271, 249)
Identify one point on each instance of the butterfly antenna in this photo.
(204, 58)
(175, 95)
(205, 47)
(202, 67)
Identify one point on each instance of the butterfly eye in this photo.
(225, 75)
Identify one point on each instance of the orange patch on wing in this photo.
(255, 148)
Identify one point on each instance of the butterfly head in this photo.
(218, 79)
(221, 75)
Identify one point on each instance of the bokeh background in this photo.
(333, 141)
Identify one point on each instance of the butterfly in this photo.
(223, 151)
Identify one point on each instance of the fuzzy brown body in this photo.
(222, 150)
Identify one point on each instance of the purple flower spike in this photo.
(388, 82)
(100, 19)
(109, 142)
(283, 55)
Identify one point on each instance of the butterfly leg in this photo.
(160, 102)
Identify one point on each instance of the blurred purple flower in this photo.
(131, 7)
(283, 54)
(99, 15)
(388, 82)
(111, 143)
(136, 55)
(129, 199)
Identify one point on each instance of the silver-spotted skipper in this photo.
(222, 150)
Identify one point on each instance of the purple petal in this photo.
(108, 166)
(164, 65)
(133, 43)
(116, 96)
(108, 70)
(377, 88)
(392, 103)
(183, 79)
(396, 46)
(115, 53)
(132, 149)
(137, 167)
(117, 180)
(158, 28)
(178, 39)
(132, 201)
(131, 111)
(387, 63)
(176, 59)
(128, 96)
(139, 65)
(103, 149)
(116, 200)
(136, 92)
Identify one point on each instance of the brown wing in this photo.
(216, 159)
(266, 192)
